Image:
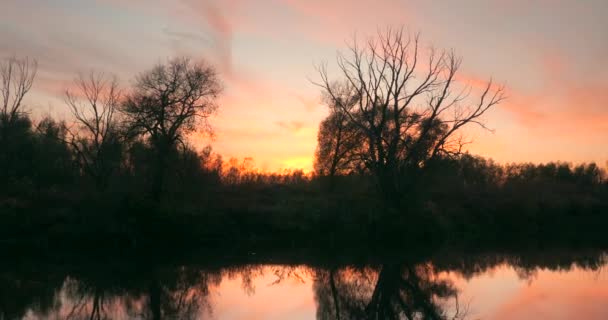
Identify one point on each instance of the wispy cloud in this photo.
(187, 36)
(293, 126)
(214, 16)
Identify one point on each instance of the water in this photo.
(540, 285)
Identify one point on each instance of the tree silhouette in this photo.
(408, 110)
(392, 291)
(53, 165)
(338, 147)
(97, 142)
(15, 127)
(17, 80)
(168, 102)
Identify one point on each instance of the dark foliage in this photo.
(127, 179)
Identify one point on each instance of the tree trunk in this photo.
(154, 296)
(388, 188)
(334, 293)
(162, 155)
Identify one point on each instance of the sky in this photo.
(550, 54)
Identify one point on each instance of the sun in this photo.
(304, 163)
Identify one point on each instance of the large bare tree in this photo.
(17, 77)
(168, 102)
(409, 105)
(17, 80)
(94, 103)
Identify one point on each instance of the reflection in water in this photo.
(394, 291)
(397, 290)
(180, 293)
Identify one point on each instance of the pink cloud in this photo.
(332, 22)
(214, 15)
(566, 104)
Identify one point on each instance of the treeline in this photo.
(46, 192)
(115, 143)
(130, 142)
(464, 198)
(389, 165)
(39, 161)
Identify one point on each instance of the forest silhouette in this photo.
(390, 167)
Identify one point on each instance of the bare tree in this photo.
(409, 106)
(17, 80)
(168, 102)
(96, 143)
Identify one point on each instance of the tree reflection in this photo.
(389, 290)
(24, 290)
(182, 294)
(392, 291)
(179, 293)
(94, 301)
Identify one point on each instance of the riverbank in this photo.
(300, 219)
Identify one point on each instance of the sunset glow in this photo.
(549, 54)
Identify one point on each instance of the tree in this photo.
(17, 80)
(409, 107)
(96, 144)
(338, 149)
(168, 102)
(52, 163)
(15, 127)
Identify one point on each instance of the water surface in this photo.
(545, 285)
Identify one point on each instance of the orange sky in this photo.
(550, 54)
